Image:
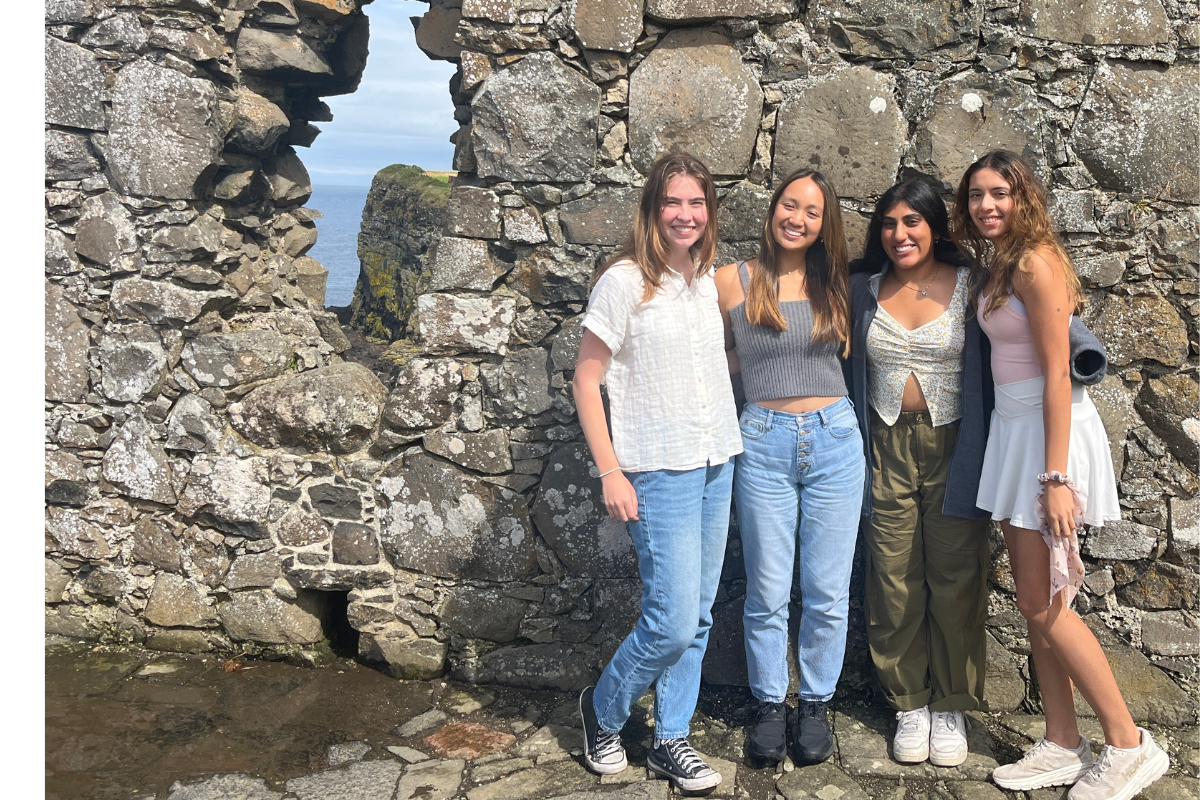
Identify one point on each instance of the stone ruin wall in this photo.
(220, 477)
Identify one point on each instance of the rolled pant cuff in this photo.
(660, 736)
(959, 702)
(767, 699)
(911, 702)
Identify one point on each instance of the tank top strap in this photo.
(744, 274)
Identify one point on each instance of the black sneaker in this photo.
(768, 739)
(678, 762)
(602, 751)
(812, 736)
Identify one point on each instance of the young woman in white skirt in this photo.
(1046, 472)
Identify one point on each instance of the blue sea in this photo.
(337, 238)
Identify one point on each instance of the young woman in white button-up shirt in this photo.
(653, 332)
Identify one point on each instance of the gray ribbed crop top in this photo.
(779, 364)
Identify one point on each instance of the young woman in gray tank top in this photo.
(799, 479)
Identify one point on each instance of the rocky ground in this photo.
(140, 725)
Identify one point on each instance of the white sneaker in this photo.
(1121, 774)
(1046, 764)
(911, 744)
(948, 739)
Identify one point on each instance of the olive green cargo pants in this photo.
(926, 598)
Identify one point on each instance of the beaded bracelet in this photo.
(610, 472)
(1056, 477)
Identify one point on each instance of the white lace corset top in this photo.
(932, 353)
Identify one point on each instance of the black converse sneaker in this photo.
(676, 761)
(602, 751)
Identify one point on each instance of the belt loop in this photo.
(770, 417)
(824, 419)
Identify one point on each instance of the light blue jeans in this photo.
(799, 479)
(679, 536)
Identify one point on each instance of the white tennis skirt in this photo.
(1016, 455)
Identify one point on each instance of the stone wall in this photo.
(216, 470)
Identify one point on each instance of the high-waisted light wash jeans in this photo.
(799, 480)
(679, 536)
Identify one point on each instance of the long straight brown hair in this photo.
(826, 275)
(994, 265)
(646, 246)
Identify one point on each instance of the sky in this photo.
(401, 113)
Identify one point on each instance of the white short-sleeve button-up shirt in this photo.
(670, 397)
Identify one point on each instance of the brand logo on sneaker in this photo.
(1127, 773)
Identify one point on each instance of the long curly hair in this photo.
(646, 246)
(995, 264)
(826, 278)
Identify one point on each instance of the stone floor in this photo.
(139, 725)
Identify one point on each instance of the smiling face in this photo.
(684, 213)
(990, 203)
(798, 216)
(906, 237)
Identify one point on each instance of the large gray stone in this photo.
(193, 425)
(849, 127)
(1160, 586)
(289, 180)
(332, 409)
(973, 115)
(165, 136)
(603, 217)
(884, 29)
(163, 303)
(1135, 129)
(233, 786)
(1167, 633)
(504, 11)
(1096, 22)
(607, 24)
(60, 254)
(820, 780)
(234, 492)
(520, 385)
(569, 513)
(742, 212)
(484, 614)
(536, 121)
(1185, 524)
(279, 55)
(550, 665)
(552, 275)
(133, 363)
(485, 452)
(462, 264)
(1120, 540)
(66, 346)
(65, 480)
(68, 157)
(231, 359)
(355, 544)
(1004, 686)
(473, 212)
(177, 602)
(258, 123)
(1170, 405)
(1148, 692)
(253, 571)
(1114, 403)
(1139, 327)
(694, 93)
(452, 324)
(563, 780)
(74, 535)
(564, 351)
(435, 32)
(105, 231)
(137, 464)
(367, 780)
(68, 12)
(300, 528)
(121, 31)
(74, 86)
(699, 10)
(424, 394)
(442, 521)
(405, 657)
(431, 780)
(263, 616)
(157, 542)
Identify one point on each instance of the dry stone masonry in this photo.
(225, 470)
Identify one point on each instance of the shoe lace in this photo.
(684, 754)
(814, 708)
(769, 711)
(945, 722)
(607, 744)
(909, 721)
(1096, 773)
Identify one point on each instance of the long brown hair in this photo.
(646, 246)
(826, 277)
(995, 264)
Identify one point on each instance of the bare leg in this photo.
(1065, 651)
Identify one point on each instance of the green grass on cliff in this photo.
(434, 191)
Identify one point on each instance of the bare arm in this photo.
(1049, 305)
(729, 294)
(594, 355)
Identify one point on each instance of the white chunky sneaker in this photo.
(948, 739)
(911, 743)
(1121, 774)
(1046, 764)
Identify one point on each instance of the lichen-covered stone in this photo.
(105, 231)
(973, 115)
(474, 212)
(1161, 586)
(481, 613)
(485, 452)
(435, 32)
(552, 275)
(603, 217)
(569, 513)
(262, 616)
(524, 226)
(552, 664)
(231, 359)
(354, 543)
(1171, 407)
(74, 535)
(1142, 326)
(156, 542)
(462, 264)
(66, 346)
(177, 602)
(1095, 22)
(300, 528)
(452, 324)
(65, 480)
(424, 394)
(1114, 403)
(1148, 692)
(535, 121)
(700, 10)
(694, 93)
(193, 425)
(884, 29)
(163, 303)
(849, 127)
(74, 86)
(1167, 633)
(137, 464)
(406, 657)
(520, 385)
(253, 571)
(1121, 540)
(333, 409)
(607, 24)
(133, 363)
(258, 125)
(165, 136)
(68, 157)
(1134, 130)
(442, 521)
(279, 55)
(339, 502)
(1185, 524)
(60, 254)
(234, 492)
(742, 211)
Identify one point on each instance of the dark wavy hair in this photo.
(922, 198)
